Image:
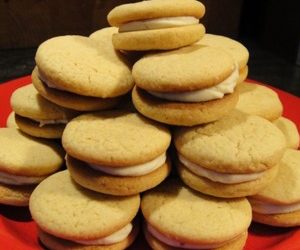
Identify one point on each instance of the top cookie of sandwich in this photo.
(115, 138)
(237, 50)
(157, 25)
(27, 102)
(79, 65)
(190, 68)
(237, 143)
(155, 9)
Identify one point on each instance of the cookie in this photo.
(11, 121)
(173, 220)
(38, 117)
(235, 156)
(72, 217)
(237, 50)
(259, 100)
(157, 25)
(78, 65)
(25, 161)
(279, 203)
(116, 152)
(188, 86)
(289, 129)
(71, 100)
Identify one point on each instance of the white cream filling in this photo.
(48, 122)
(19, 180)
(158, 23)
(215, 92)
(136, 170)
(267, 208)
(116, 237)
(175, 243)
(218, 177)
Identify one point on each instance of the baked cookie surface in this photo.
(78, 214)
(171, 211)
(157, 25)
(279, 203)
(78, 65)
(259, 100)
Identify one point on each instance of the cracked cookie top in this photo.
(237, 143)
(115, 138)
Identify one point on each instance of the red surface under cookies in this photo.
(19, 232)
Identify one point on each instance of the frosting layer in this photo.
(158, 23)
(136, 170)
(268, 208)
(171, 242)
(218, 177)
(19, 180)
(215, 92)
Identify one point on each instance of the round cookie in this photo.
(232, 157)
(37, 116)
(188, 86)
(77, 64)
(173, 220)
(24, 162)
(237, 50)
(157, 25)
(11, 122)
(117, 152)
(259, 100)
(71, 217)
(70, 100)
(279, 203)
(289, 129)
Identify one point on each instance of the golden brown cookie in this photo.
(38, 117)
(157, 25)
(259, 100)
(174, 221)
(71, 217)
(239, 150)
(25, 161)
(279, 203)
(289, 129)
(71, 100)
(117, 152)
(188, 86)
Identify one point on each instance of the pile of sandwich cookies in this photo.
(177, 133)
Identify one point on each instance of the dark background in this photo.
(270, 29)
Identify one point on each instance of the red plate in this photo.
(18, 231)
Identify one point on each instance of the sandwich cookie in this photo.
(237, 50)
(38, 117)
(117, 152)
(24, 162)
(235, 156)
(157, 25)
(76, 64)
(71, 217)
(259, 100)
(11, 121)
(188, 86)
(279, 203)
(71, 100)
(289, 129)
(179, 218)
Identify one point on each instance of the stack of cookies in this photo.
(229, 139)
